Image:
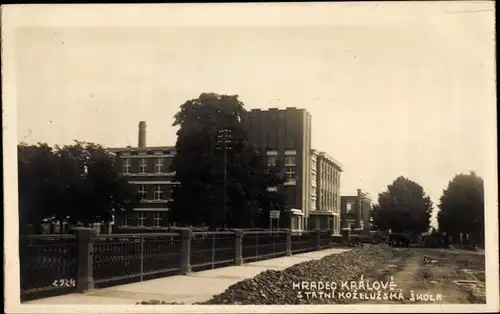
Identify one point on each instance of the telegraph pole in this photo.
(224, 144)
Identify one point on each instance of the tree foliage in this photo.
(403, 207)
(462, 207)
(199, 167)
(74, 183)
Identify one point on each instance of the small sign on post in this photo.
(274, 214)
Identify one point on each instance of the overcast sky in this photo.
(393, 89)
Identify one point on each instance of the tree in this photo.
(222, 181)
(404, 207)
(37, 183)
(462, 207)
(74, 183)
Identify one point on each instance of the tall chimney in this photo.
(142, 134)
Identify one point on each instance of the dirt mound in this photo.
(281, 287)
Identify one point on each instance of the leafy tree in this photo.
(37, 183)
(213, 155)
(404, 207)
(74, 183)
(462, 207)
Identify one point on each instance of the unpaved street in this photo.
(449, 276)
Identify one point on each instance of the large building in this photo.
(285, 135)
(148, 169)
(313, 178)
(355, 211)
(325, 192)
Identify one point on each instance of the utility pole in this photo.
(224, 144)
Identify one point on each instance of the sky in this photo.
(393, 88)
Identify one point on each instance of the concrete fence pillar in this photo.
(186, 236)
(289, 242)
(238, 236)
(85, 259)
(318, 239)
(346, 235)
(330, 240)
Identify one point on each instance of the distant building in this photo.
(325, 192)
(355, 211)
(285, 136)
(147, 168)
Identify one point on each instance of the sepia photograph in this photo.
(314, 157)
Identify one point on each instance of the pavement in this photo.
(188, 289)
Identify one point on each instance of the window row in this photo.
(329, 200)
(330, 175)
(144, 165)
(141, 218)
(158, 191)
(290, 160)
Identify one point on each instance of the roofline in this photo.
(331, 159)
(356, 196)
(276, 109)
(112, 149)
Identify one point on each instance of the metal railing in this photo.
(58, 264)
(304, 241)
(48, 265)
(126, 258)
(258, 245)
(210, 250)
(325, 239)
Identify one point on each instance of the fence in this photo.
(48, 265)
(59, 264)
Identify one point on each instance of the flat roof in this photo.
(141, 148)
(331, 159)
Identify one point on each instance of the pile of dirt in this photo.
(281, 287)
(158, 302)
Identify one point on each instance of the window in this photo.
(140, 219)
(289, 160)
(158, 192)
(271, 160)
(159, 165)
(142, 165)
(350, 208)
(290, 167)
(126, 165)
(125, 220)
(143, 192)
(290, 172)
(156, 219)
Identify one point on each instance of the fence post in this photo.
(186, 235)
(85, 259)
(288, 242)
(238, 258)
(318, 239)
(330, 240)
(142, 256)
(346, 235)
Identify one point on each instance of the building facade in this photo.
(147, 168)
(285, 136)
(325, 192)
(355, 211)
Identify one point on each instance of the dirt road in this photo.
(433, 276)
